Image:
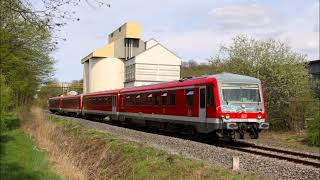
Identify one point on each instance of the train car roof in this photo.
(229, 77)
(226, 77)
(102, 93)
(64, 97)
(172, 84)
(70, 97)
(53, 98)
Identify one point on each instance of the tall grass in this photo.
(83, 153)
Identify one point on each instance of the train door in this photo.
(202, 104)
(114, 104)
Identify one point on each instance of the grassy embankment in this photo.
(19, 156)
(292, 140)
(92, 154)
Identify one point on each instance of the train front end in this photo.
(242, 110)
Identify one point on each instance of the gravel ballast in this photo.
(279, 169)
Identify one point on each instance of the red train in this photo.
(226, 104)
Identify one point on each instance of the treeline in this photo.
(288, 93)
(27, 39)
(54, 88)
(26, 42)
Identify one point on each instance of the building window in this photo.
(129, 42)
(189, 97)
(172, 98)
(119, 29)
(164, 97)
(135, 43)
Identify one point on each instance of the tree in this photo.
(192, 68)
(24, 53)
(283, 72)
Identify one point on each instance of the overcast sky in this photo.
(191, 29)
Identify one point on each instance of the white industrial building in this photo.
(128, 61)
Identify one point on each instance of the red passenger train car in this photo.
(227, 104)
(54, 104)
(71, 105)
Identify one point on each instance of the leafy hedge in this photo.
(314, 130)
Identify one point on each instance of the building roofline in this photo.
(153, 47)
(314, 61)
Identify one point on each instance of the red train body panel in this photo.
(225, 103)
(71, 104)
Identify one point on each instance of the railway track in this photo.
(292, 156)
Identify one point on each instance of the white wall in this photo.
(105, 74)
(86, 81)
(155, 65)
(158, 55)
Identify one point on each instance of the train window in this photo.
(210, 96)
(100, 102)
(92, 101)
(127, 100)
(202, 98)
(156, 98)
(189, 97)
(143, 99)
(108, 103)
(164, 97)
(132, 98)
(172, 98)
(103, 101)
(138, 99)
(149, 99)
(122, 101)
(95, 101)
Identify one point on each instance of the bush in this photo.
(314, 130)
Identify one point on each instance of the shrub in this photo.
(314, 130)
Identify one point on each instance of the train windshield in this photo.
(241, 93)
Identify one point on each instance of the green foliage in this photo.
(24, 52)
(50, 89)
(19, 157)
(192, 68)
(314, 130)
(5, 100)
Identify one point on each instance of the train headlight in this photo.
(259, 116)
(227, 116)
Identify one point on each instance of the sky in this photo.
(192, 29)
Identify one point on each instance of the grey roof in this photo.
(229, 77)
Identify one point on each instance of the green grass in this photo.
(19, 156)
(143, 162)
